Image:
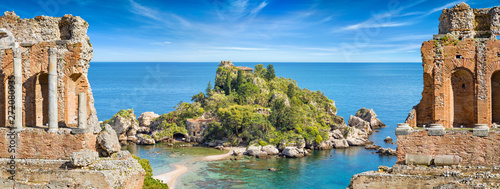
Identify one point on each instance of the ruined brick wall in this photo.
(68, 35)
(461, 87)
(196, 128)
(35, 143)
(472, 149)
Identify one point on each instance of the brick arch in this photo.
(75, 84)
(462, 98)
(495, 97)
(36, 103)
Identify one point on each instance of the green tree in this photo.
(260, 70)
(281, 116)
(235, 117)
(227, 87)
(209, 89)
(239, 80)
(270, 72)
(247, 90)
(200, 97)
(291, 91)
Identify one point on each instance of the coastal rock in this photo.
(340, 143)
(360, 124)
(219, 147)
(371, 117)
(253, 150)
(237, 153)
(262, 155)
(108, 140)
(125, 124)
(143, 130)
(357, 141)
(146, 118)
(83, 158)
(293, 152)
(270, 150)
(143, 139)
(388, 139)
(336, 134)
(372, 147)
(386, 152)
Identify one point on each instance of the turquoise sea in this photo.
(391, 89)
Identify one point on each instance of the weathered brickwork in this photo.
(34, 143)
(461, 64)
(68, 35)
(472, 149)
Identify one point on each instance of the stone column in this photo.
(18, 90)
(481, 130)
(82, 111)
(403, 129)
(53, 118)
(435, 129)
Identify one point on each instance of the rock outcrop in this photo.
(108, 141)
(144, 139)
(365, 120)
(125, 124)
(293, 152)
(145, 120)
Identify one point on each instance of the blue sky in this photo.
(251, 30)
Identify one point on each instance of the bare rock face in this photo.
(356, 137)
(108, 141)
(253, 150)
(146, 118)
(83, 158)
(145, 140)
(360, 124)
(125, 124)
(370, 116)
(293, 152)
(270, 150)
(386, 152)
(340, 143)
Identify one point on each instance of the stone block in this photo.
(480, 132)
(447, 160)
(403, 131)
(413, 159)
(435, 132)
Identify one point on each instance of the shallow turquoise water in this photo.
(391, 89)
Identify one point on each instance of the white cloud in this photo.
(162, 43)
(375, 25)
(240, 48)
(449, 5)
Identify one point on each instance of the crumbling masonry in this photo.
(461, 70)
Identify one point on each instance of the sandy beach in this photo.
(171, 177)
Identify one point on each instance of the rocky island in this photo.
(251, 107)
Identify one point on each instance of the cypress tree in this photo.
(270, 72)
(227, 87)
(239, 80)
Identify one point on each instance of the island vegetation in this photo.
(255, 107)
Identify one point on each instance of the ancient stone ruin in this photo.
(450, 139)
(49, 133)
(461, 71)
